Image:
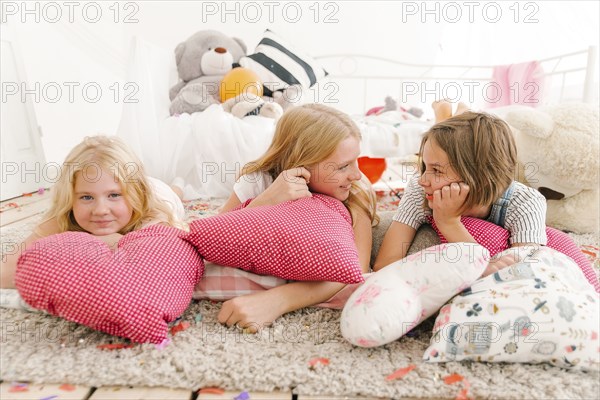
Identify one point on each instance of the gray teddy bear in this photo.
(202, 61)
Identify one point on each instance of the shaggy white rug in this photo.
(41, 348)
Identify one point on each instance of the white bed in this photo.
(209, 148)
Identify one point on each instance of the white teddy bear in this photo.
(558, 147)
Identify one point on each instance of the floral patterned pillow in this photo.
(540, 309)
(397, 298)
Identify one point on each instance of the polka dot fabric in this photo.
(132, 292)
(309, 239)
(495, 239)
(491, 236)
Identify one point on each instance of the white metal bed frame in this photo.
(350, 67)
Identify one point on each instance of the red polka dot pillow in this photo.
(134, 291)
(491, 236)
(495, 239)
(309, 239)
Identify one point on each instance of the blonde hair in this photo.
(307, 135)
(110, 154)
(481, 149)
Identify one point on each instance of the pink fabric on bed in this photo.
(517, 84)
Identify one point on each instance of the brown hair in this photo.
(306, 135)
(481, 149)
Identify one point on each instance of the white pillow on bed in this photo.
(397, 298)
(540, 309)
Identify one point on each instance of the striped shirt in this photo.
(524, 212)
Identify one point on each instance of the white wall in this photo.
(96, 53)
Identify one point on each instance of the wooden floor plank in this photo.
(140, 393)
(23, 222)
(26, 199)
(10, 216)
(18, 391)
(300, 397)
(285, 395)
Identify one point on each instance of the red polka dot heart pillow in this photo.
(309, 239)
(134, 292)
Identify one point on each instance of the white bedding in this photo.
(390, 134)
(208, 149)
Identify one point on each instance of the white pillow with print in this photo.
(397, 298)
(540, 309)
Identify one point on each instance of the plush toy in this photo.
(202, 62)
(558, 148)
(392, 105)
(205, 67)
(247, 104)
(240, 80)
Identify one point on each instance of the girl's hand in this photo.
(498, 263)
(447, 202)
(291, 184)
(251, 312)
(111, 240)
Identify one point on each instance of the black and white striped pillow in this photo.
(279, 65)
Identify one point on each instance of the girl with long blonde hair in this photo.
(314, 150)
(102, 189)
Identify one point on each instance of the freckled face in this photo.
(334, 176)
(99, 206)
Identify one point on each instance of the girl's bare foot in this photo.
(461, 108)
(442, 110)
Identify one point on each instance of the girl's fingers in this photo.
(446, 192)
(298, 175)
(454, 189)
(301, 172)
(225, 315)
